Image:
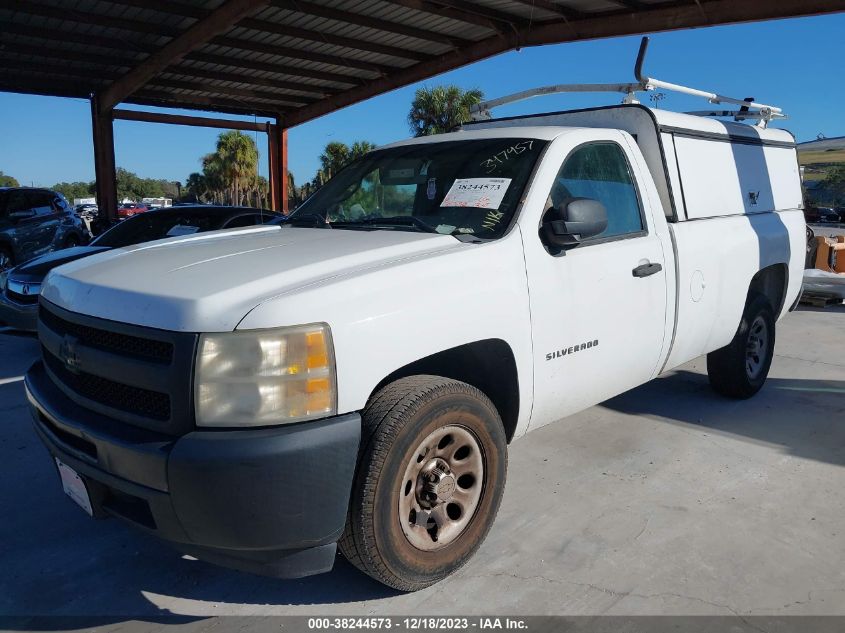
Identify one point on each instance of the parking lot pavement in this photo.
(665, 500)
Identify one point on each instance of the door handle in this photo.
(646, 269)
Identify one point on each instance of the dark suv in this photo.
(34, 222)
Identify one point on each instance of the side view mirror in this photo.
(573, 220)
(21, 215)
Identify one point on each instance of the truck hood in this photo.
(208, 282)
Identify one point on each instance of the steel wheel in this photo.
(429, 481)
(757, 347)
(441, 487)
(739, 369)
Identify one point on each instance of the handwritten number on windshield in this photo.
(492, 164)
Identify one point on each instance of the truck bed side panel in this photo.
(717, 259)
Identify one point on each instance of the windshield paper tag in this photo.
(182, 229)
(480, 193)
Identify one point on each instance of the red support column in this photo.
(104, 169)
(283, 169)
(272, 161)
(277, 145)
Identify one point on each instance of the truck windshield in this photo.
(467, 187)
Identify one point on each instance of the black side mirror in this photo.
(573, 220)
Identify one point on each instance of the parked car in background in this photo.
(34, 222)
(821, 215)
(86, 208)
(128, 209)
(20, 291)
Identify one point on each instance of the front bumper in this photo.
(18, 316)
(270, 501)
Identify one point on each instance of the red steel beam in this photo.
(660, 18)
(193, 121)
(218, 22)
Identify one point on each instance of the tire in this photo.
(739, 369)
(449, 509)
(7, 259)
(71, 241)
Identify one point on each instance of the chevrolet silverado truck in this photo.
(353, 377)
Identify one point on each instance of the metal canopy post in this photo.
(104, 168)
(277, 145)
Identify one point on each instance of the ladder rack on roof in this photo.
(749, 109)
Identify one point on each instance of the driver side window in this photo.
(600, 171)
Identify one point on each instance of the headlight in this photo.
(265, 377)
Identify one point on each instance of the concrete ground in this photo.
(665, 500)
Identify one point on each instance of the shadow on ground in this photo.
(805, 417)
(56, 561)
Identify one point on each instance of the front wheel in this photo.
(429, 482)
(739, 369)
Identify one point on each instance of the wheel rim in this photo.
(756, 347)
(442, 487)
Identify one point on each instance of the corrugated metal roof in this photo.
(302, 58)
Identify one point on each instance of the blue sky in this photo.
(794, 63)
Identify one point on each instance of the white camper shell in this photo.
(702, 167)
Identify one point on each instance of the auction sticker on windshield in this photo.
(480, 193)
(74, 487)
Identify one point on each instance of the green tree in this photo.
(333, 158)
(8, 181)
(441, 109)
(73, 190)
(834, 184)
(359, 148)
(196, 187)
(238, 162)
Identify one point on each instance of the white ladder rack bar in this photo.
(482, 110)
(738, 114)
(751, 109)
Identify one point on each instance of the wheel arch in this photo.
(771, 282)
(489, 365)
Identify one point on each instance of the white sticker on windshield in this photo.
(182, 229)
(480, 193)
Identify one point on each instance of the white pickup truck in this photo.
(355, 375)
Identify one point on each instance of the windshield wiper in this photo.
(314, 220)
(398, 220)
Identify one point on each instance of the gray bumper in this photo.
(271, 501)
(17, 316)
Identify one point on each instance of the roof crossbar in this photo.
(749, 109)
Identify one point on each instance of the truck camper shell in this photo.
(702, 167)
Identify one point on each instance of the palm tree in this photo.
(212, 171)
(359, 148)
(441, 109)
(333, 158)
(238, 157)
(196, 186)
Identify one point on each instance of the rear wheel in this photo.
(739, 369)
(430, 479)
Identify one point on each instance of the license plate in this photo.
(74, 487)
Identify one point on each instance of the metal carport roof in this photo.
(303, 58)
(295, 60)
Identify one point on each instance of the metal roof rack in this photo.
(749, 109)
